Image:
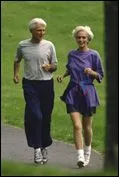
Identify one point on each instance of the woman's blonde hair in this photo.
(87, 29)
(35, 21)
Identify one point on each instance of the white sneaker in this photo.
(87, 155)
(81, 161)
(38, 156)
(44, 154)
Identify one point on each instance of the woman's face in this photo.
(82, 39)
(38, 32)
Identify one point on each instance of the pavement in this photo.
(14, 147)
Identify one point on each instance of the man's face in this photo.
(38, 32)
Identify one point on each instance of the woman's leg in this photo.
(87, 127)
(77, 130)
(88, 133)
(78, 139)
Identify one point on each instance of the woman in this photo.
(84, 65)
(40, 62)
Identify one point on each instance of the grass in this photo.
(10, 168)
(61, 18)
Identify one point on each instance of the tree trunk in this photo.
(111, 54)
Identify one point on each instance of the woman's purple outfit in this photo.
(80, 92)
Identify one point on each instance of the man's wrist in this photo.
(52, 68)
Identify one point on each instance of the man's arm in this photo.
(49, 67)
(16, 78)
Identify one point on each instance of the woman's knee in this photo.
(77, 127)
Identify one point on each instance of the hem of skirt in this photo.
(87, 113)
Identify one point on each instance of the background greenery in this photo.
(61, 18)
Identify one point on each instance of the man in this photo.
(40, 62)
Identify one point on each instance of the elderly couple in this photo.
(40, 61)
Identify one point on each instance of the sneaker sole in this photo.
(80, 164)
(45, 161)
(41, 162)
(86, 163)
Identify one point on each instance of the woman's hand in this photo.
(89, 71)
(59, 79)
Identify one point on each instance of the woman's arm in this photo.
(89, 71)
(97, 70)
(60, 78)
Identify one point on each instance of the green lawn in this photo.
(61, 17)
(10, 168)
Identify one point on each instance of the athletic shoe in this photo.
(44, 154)
(38, 156)
(87, 155)
(80, 161)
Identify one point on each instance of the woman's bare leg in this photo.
(88, 133)
(78, 138)
(87, 127)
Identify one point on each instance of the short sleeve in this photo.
(18, 55)
(53, 54)
(97, 66)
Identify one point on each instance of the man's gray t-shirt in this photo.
(35, 55)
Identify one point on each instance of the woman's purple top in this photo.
(81, 85)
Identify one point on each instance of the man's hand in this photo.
(16, 79)
(49, 67)
(46, 67)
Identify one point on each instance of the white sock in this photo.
(80, 152)
(88, 148)
(38, 149)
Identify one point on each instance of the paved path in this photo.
(14, 147)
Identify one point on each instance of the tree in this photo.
(111, 54)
